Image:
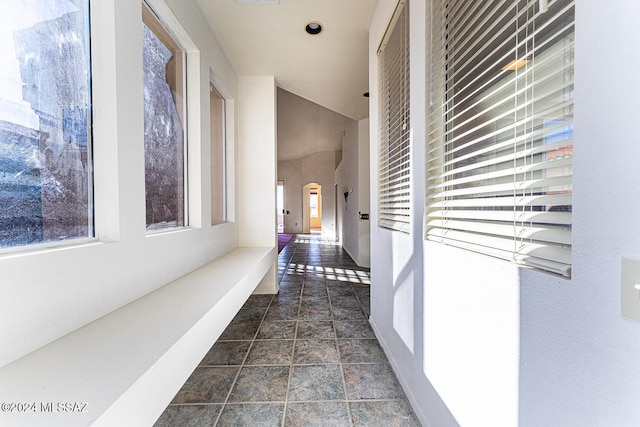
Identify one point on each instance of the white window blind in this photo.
(394, 131)
(500, 129)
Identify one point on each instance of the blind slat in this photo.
(512, 248)
(541, 217)
(556, 260)
(561, 235)
(506, 172)
(513, 201)
(533, 184)
(553, 148)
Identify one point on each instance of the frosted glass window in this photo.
(45, 121)
(164, 125)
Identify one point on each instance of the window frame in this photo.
(314, 202)
(467, 195)
(149, 12)
(394, 126)
(91, 237)
(222, 186)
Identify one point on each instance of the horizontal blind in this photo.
(500, 130)
(394, 190)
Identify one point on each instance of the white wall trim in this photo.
(415, 403)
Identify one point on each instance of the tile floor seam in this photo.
(344, 382)
(346, 395)
(286, 398)
(224, 404)
(235, 380)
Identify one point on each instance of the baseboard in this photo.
(417, 409)
(354, 258)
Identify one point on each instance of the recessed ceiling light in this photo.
(313, 28)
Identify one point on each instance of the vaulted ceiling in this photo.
(330, 68)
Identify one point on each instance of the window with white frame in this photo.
(164, 65)
(314, 204)
(500, 130)
(46, 188)
(217, 113)
(394, 189)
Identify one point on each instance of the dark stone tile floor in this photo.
(304, 357)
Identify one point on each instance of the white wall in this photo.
(579, 356)
(397, 294)
(480, 342)
(49, 292)
(257, 149)
(291, 173)
(364, 199)
(447, 319)
(346, 176)
(353, 174)
(257, 161)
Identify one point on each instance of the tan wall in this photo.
(318, 169)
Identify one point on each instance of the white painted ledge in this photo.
(128, 365)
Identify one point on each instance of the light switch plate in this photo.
(630, 288)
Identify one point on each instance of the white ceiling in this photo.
(330, 69)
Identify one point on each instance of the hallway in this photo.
(304, 357)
